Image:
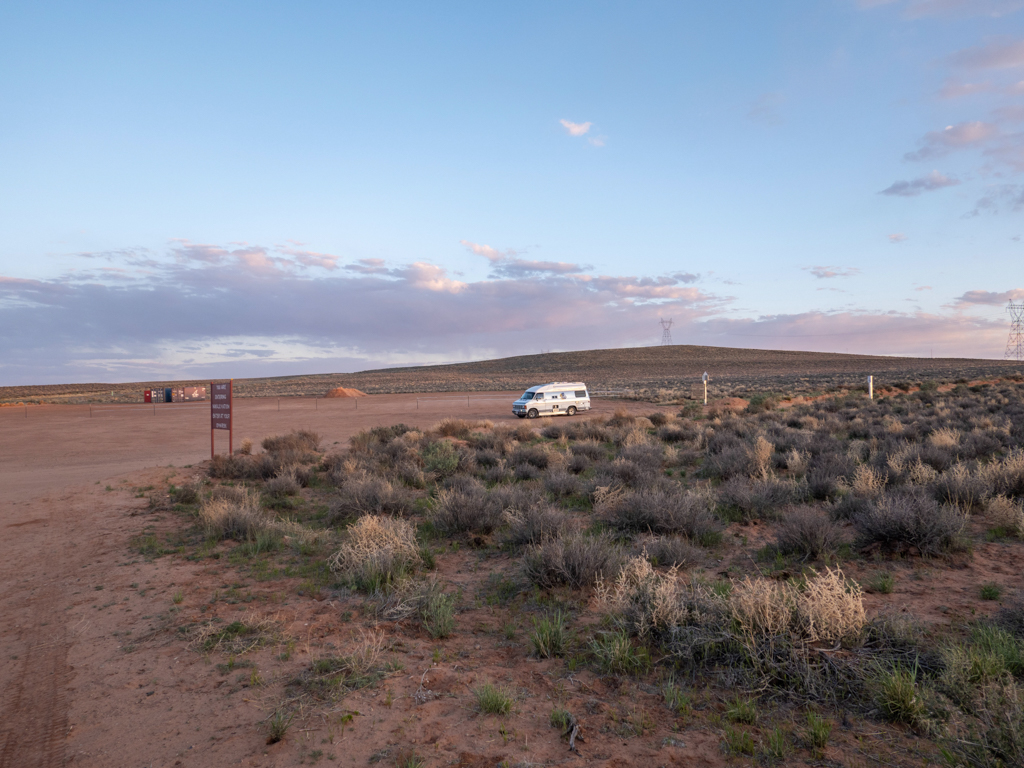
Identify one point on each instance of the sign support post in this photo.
(871, 387)
(705, 377)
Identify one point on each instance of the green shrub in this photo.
(897, 695)
(991, 591)
(438, 613)
(741, 710)
(615, 653)
(441, 458)
(493, 700)
(549, 636)
(738, 742)
(818, 730)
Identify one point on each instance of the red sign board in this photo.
(220, 405)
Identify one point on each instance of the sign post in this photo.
(220, 412)
(705, 377)
(871, 387)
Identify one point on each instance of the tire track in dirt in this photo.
(34, 719)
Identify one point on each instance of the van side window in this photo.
(581, 393)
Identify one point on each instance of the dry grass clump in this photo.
(944, 437)
(908, 520)
(377, 552)
(575, 560)
(960, 487)
(301, 441)
(1006, 476)
(1006, 515)
(827, 609)
(253, 630)
(654, 605)
(459, 428)
(868, 482)
(241, 517)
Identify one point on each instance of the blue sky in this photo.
(256, 188)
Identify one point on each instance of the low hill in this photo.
(668, 372)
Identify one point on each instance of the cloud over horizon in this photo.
(205, 309)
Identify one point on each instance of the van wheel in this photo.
(570, 411)
(532, 414)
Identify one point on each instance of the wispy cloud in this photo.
(917, 9)
(988, 297)
(766, 109)
(897, 237)
(953, 137)
(914, 187)
(823, 273)
(1000, 53)
(507, 263)
(954, 89)
(575, 129)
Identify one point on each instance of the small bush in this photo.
(957, 486)
(460, 428)
(807, 533)
(575, 560)
(535, 455)
(755, 499)
(668, 550)
(284, 484)
(441, 458)
(902, 520)
(464, 511)
(739, 742)
(561, 719)
(532, 525)
(658, 511)
(493, 700)
(560, 483)
(370, 495)
(882, 582)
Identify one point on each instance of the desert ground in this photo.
(641, 578)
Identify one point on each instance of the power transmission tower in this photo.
(1015, 343)
(666, 334)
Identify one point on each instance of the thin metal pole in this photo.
(316, 404)
(279, 405)
(231, 421)
(871, 387)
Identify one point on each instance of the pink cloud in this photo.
(988, 297)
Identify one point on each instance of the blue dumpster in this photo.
(168, 395)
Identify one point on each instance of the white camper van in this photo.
(558, 397)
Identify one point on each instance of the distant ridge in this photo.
(648, 371)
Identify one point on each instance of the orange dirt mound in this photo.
(345, 392)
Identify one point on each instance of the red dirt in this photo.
(344, 392)
(96, 673)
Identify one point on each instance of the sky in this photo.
(193, 190)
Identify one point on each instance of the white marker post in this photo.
(871, 387)
(705, 378)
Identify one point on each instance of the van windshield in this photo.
(527, 396)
